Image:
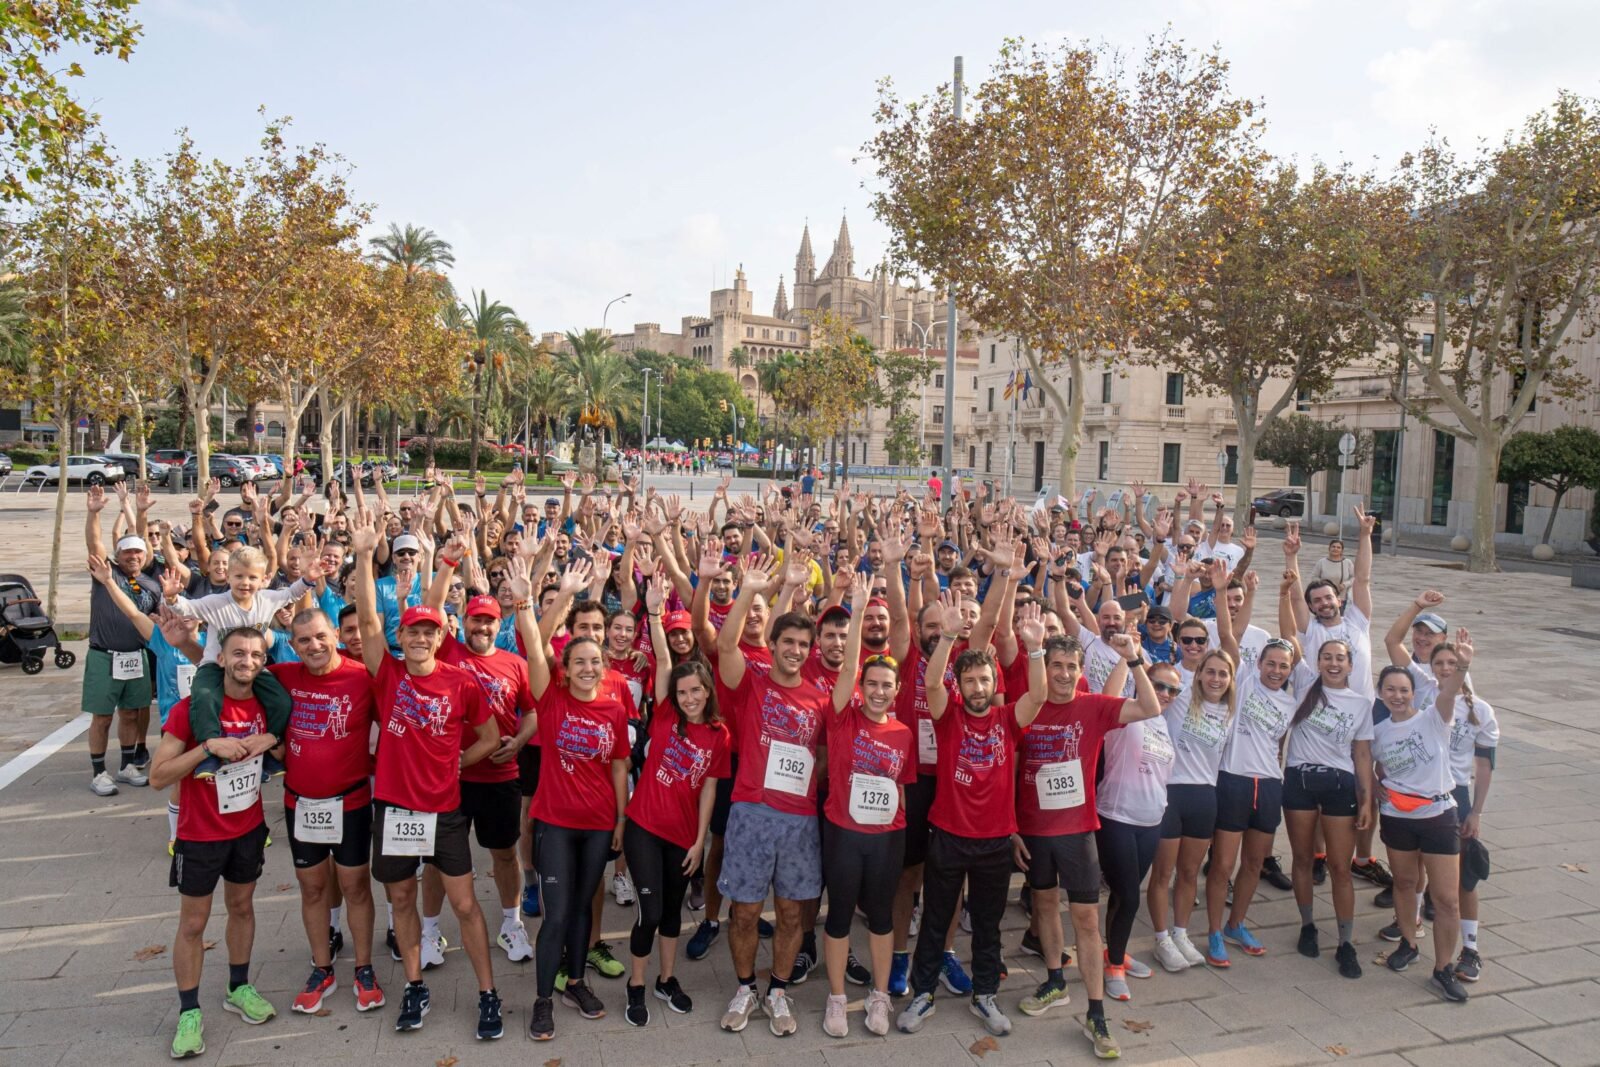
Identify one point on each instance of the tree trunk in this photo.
(1480, 559)
(202, 440)
(1069, 415)
(325, 433)
(63, 448)
(1244, 414)
(249, 425)
(1550, 523)
(141, 445)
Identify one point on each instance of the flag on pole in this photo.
(1027, 383)
(1011, 386)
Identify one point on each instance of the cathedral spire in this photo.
(842, 263)
(780, 306)
(805, 264)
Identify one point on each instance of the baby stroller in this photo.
(25, 630)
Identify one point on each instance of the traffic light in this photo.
(730, 438)
(722, 404)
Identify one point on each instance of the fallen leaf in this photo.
(1382, 958)
(1574, 868)
(284, 887)
(983, 1046)
(149, 952)
(1338, 1050)
(448, 1061)
(1138, 1026)
(320, 1012)
(552, 1063)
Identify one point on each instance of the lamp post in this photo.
(950, 356)
(480, 356)
(607, 311)
(644, 423)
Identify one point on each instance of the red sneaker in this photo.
(368, 995)
(321, 983)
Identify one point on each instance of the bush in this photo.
(456, 454)
(28, 456)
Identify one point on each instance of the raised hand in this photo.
(1125, 646)
(455, 549)
(1291, 540)
(1030, 627)
(796, 569)
(577, 576)
(99, 569)
(141, 497)
(363, 533)
(1430, 599)
(172, 583)
(176, 629)
(1368, 522)
(711, 563)
(517, 579)
(1252, 581)
(949, 614)
(96, 500)
(1464, 649)
(569, 479)
(1289, 583)
(653, 595)
(860, 590)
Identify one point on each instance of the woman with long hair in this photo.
(1474, 739)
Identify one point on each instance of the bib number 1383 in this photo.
(1060, 785)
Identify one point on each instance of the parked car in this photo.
(5, 465)
(89, 470)
(180, 456)
(556, 465)
(271, 464)
(129, 463)
(724, 463)
(226, 469)
(1286, 503)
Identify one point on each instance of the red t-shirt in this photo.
(329, 730)
(667, 799)
(638, 680)
(1067, 737)
(504, 678)
(579, 740)
(859, 745)
(717, 614)
(199, 818)
(911, 707)
(769, 714)
(423, 719)
(756, 658)
(1015, 677)
(976, 795)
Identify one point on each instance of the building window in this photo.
(938, 381)
(1302, 400)
(793, 336)
(1105, 459)
(974, 383)
(991, 353)
(1516, 506)
(1444, 476)
(1427, 344)
(1105, 389)
(991, 399)
(1299, 477)
(1172, 463)
(766, 334)
(1517, 378)
(1230, 473)
(1385, 453)
(988, 457)
(1175, 388)
(972, 455)
(749, 331)
(938, 414)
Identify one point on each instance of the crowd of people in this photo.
(872, 703)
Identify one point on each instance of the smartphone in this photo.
(1133, 601)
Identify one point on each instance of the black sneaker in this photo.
(1349, 965)
(579, 995)
(1309, 948)
(1401, 956)
(805, 961)
(489, 1025)
(1446, 984)
(335, 941)
(394, 946)
(1373, 871)
(207, 768)
(1319, 870)
(1391, 933)
(764, 930)
(543, 1025)
(1273, 874)
(669, 990)
(271, 767)
(413, 1007)
(1427, 906)
(637, 1013)
(1384, 899)
(704, 935)
(855, 972)
(1031, 944)
(1469, 965)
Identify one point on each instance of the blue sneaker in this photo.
(899, 974)
(764, 930)
(704, 935)
(1216, 951)
(1241, 936)
(954, 978)
(530, 900)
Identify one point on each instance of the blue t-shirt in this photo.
(389, 603)
(1203, 605)
(281, 651)
(168, 660)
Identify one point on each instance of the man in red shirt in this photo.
(222, 835)
(327, 799)
(426, 711)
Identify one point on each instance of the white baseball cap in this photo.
(132, 542)
(405, 541)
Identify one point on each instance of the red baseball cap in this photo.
(677, 620)
(421, 613)
(483, 605)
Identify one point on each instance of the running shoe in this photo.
(1168, 955)
(335, 942)
(101, 785)
(987, 1009)
(954, 977)
(413, 1007)
(1349, 964)
(1217, 950)
(1099, 1035)
(172, 846)
(916, 916)
(394, 946)
(207, 768)
(704, 936)
(835, 1023)
(131, 775)
(1469, 965)
(1445, 983)
(1240, 935)
(1031, 944)
(530, 900)
(1273, 874)
(878, 1013)
(1427, 906)
(578, 995)
(490, 1025)
(622, 889)
(1402, 956)
(668, 989)
(900, 974)
(190, 1040)
(805, 961)
(1384, 899)
(637, 1012)
(1373, 871)
(1309, 946)
(1319, 869)
(1391, 933)
(916, 1014)
(856, 972)
(764, 930)
(745, 1003)
(1049, 994)
(319, 985)
(433, 951)
(600, 959)
(368, 995)
(248, 1005)
(561, 978)
(514, 940)
(697, 894)
(1117, 983)
(780, 1013)
(271, 767)
(966, 918)
(1137, 968)
(1185, 946)
(542, 1027)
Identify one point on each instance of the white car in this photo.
(90, 470)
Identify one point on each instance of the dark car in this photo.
(5, 465)
(1286, 503)
(227, 470)
(172, 455)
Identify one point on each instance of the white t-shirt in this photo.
(1099, 660)
(1264, 717)
(1425, 684)
(1323, 738)
(1138, 761)
(1198, 740)
(1232, 553)
(1251, 642)
(1466, 739)
(1414, 758)
(221, 613)
(1353, 628)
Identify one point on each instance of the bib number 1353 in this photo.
(409, 833)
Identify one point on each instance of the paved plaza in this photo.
(86, 916)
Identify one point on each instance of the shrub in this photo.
(28, 456)
(456, 454)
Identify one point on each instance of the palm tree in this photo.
(497, 336)
(769, 376)
(413, 249)
(549, 399)
(601, 380)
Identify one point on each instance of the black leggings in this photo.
(658, 885)
(1126, 853)
(570, 864)
(861, 869)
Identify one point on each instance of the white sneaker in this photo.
(131, 775)
(1168, 955)
(916, 919)
(987, 1008)
(101, 785)
(433, 951)
(780, 1016)
(1185, 946)
(834, 1021)
(514, 939)
(966, 919)
(1137, 968)
(745, 1003)
(622, 889)
(878, 1012)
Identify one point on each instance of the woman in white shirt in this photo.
(1474, 739)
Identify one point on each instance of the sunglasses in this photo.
(405, 552)
(1163, 687)
(1193, 640)
(232, 522)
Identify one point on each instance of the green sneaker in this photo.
(1047, 996)
(190, 1039)
(561, 978)
(249, 1005)
(601, 959)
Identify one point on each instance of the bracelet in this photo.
(448, 562)
(1037, 653)
(653, 614)
(522, 605)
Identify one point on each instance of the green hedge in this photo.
(28, 456)
(455, 453)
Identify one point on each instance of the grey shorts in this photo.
(765, 849)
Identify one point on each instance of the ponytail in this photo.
(1308, 703)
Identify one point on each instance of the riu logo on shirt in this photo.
(782, 721)
(420, 711)
(682, 761)
(579, 738)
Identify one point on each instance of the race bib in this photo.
(238, 785)
(927, 743)
(1060, 785)
(788, 768)
(185, 679)
(126, 666)
(873, 799)
(319, 822)
(409, 833)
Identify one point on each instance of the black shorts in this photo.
(353, 850)
(1066, 860)
(528, 770)
(1245, 803)
(196, 865)
(452, 849)
(1437, 835)
(495, 811)
(919, 801)
(723, 804)
(1463, 798)
(1326, 789)
(1191, 812)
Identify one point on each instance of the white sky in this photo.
(574, 152)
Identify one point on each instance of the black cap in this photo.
(1158, 612)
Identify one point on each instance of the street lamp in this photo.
(480, 356)
(607, 311)
(644, 423)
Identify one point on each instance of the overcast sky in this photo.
(574, 152)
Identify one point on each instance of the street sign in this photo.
(83, 423)
(260, 428)
(1347, 445)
